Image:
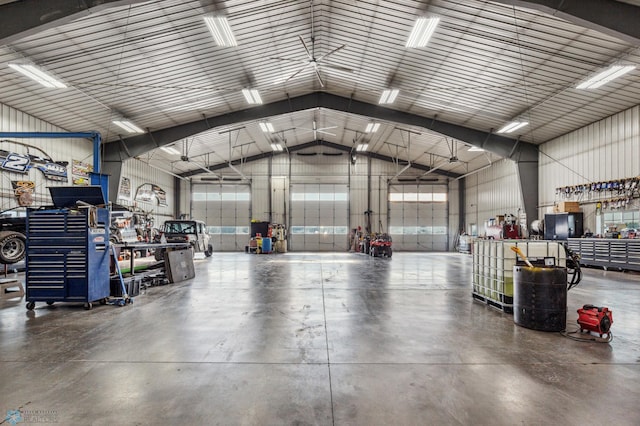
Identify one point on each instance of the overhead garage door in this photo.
(226, 209)
(319, 217)
(418, 217)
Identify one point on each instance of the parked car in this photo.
(13, 228)
(179, 231)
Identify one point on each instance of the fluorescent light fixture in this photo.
(362, 147)
(276, 147)
(220, 30)
(170, 150)
(422, 31)
(605, 76)
(267, 127)
(388, 96)
(475, 149)
(252, 96)
(38, 75)
(513, 126)
(372, 127)
(128, 126)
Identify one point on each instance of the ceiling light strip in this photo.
(220, 30)
(606, 76)
(252, 96)
(267, 127)
(128, 126)
(513, 126)
(38, 75)
(372, 127)
(388, 96)
(422, 31)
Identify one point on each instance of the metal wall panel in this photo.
(140, 174)
(603, 151)
(492, 192)
(260, 198)
(454, 216)
(279, 199)
(367, 190)
(12, 120)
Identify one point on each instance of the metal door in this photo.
(226, 209)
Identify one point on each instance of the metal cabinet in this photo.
(607, 252)
(68, 256)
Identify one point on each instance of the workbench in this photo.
(181, 251)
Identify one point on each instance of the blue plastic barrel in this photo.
(266, 245)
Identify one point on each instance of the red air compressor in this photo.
(596, 319)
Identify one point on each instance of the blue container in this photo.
(266, 245)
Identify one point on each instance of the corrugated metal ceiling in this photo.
(156, 64)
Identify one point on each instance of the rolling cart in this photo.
(68, 249)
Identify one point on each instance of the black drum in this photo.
(540, 297)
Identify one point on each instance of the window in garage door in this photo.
(418, 217)
(319, 217)
(226, 209)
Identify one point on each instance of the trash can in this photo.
(540, 297)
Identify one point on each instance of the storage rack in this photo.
(493, 262)
(67, 256)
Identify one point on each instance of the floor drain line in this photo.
(326, 339)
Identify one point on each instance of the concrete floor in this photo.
(304, 339)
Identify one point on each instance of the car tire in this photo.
(12, 247)
(209, 251)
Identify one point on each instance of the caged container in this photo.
(493, 262)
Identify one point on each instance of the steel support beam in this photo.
(528, 177)
(114, 170)
(27, 17)
(615, 18)
(462, 211)
(496, 144)
(312, 144)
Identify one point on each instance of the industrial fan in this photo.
(315, 129)
(312, 61)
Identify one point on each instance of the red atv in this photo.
(380, 246)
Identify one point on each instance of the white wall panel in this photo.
(492, 192)
(365, 192)
(139, 174)
(454, 216)
(279, 199)
(605, 150)
(12, 120)
(260, 198)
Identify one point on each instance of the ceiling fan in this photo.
(312, 61)
(317, 130)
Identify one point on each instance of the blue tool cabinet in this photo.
(67, 256)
